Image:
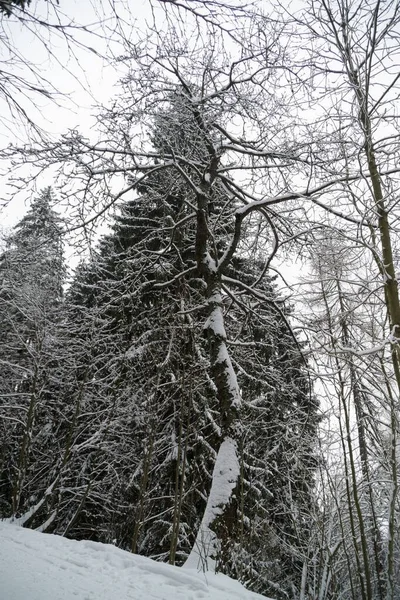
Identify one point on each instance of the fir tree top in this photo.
(40, 224)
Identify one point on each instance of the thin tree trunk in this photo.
(362, 443)
(363, 566)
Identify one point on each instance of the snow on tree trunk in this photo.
(225, 475)
(212, 546)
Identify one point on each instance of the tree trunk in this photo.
(213, 545)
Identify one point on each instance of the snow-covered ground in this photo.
(38, 566)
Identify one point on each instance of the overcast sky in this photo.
(83, 77)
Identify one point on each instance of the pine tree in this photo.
(32, 272)
(144, 292)
(161, 373)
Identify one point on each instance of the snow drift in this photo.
(38, 566)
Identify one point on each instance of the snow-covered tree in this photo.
(142, 299)
(218, 172)
(31, 276)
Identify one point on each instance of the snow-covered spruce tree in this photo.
(144, 292)
(101, 438)
(166, 429)
(146, 343)
(31, 276)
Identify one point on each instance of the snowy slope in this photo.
(37, 566)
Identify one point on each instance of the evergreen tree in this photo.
(279, 454)
(144, 292)
(31, 276)
(146, 347)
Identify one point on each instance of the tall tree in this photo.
(354, 64)
(357, 391)
(144, 292)
(233, 170)
(32, 273)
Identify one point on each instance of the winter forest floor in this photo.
(37, 566)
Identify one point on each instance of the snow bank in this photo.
(38, 566)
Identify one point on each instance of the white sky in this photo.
(83, 78)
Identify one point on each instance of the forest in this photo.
(213, 379)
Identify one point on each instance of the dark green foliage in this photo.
(146, 348)
(153, 351)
